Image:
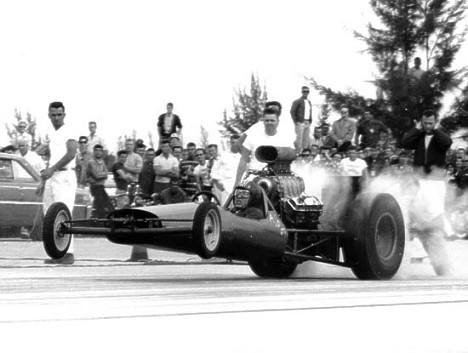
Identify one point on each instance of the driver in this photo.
(247, 201)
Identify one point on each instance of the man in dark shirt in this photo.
(369, 130)
(427, 211)
(188, 180)
(169, 123)
(121, 177)
(96, 172)
(147, 174)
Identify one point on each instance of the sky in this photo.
(119, 62)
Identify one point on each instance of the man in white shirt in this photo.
(270, 136)
(165, 167)
(31, 157)
(134, 163)
(59, 177)
(94, 139)
(352, 165)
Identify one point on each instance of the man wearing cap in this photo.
(175, 140)
(169, 123)
(301, 114)
(59, 177)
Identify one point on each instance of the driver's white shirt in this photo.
(284, 137)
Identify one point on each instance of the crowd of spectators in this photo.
(349, 146)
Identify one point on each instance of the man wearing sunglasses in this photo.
(301, 114)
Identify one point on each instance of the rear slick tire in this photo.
(378, 251)
(56, 243)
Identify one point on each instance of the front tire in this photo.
(207, 230)
(272, 268)
(56, 243)
(378, 251)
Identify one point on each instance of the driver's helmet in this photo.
(247, 194)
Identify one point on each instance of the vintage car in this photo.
(363, 231)
(20, 206)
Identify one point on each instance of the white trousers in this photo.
(61, 187)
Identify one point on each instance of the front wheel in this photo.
(207, 230)
(378, 250)
(56, 243)
(272, 268)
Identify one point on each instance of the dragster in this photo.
(367, 235)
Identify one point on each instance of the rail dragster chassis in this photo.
(367, 236)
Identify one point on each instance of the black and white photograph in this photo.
(235, 176)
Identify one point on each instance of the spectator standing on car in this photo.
(121, 176)
(301, 114)
(169, 123)
(94, 139)
(96, 172)
(368, 131)
(30, 156)
(59, 176)
(133, 163)
(427, 213)
(269, 136)
(147, 174)
(343, 130)
(81, 161)
(165, 167)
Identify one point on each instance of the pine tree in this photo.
(406, 28)
(247, 108)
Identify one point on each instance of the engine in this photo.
(285, 189)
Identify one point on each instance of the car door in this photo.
(19, 203)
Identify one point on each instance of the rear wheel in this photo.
(207, 230)
(378, 251)
(56, 243)
(272, 268)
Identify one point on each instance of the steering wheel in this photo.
(209, 194)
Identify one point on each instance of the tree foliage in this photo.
(247, 108)
(407, 29)
(204, 137)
